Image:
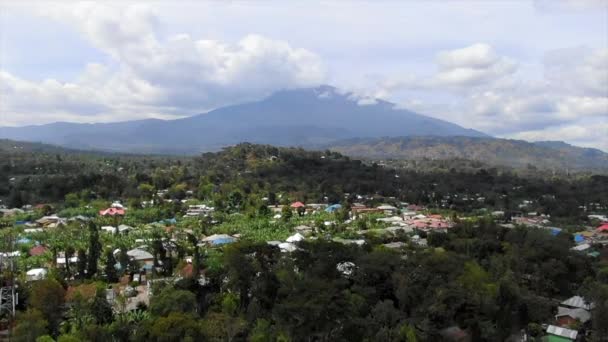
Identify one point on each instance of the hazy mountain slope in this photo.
(301, 117)
(512, 153)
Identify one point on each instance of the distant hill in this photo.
(557, 156)
(300, 117)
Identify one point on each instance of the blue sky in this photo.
(534, 70)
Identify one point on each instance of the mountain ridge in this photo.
(296, 117)
(493, 151)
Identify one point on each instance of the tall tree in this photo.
(110, 269)
(94, 250)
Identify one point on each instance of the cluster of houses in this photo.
(572, 314)
(584, 239)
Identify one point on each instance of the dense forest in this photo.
(256, 171)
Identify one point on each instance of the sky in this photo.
(532, 70)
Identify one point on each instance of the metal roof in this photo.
(563, 332)
(576, 302)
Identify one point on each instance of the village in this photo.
(39, 242)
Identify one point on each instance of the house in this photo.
(566, 317)
(364, 210)
(36, 274)
(124, 228)
(603, 229)
(219, 239)
(52, 221)
(454, 334)
(287, 247)
(395, 245)
(140, 256)
(388, 209)
(577, 302)
(38, 250)
(297, 237)
(199, 210)
(109, 229)
(358, 242)
(61, 261)
(297, 205)
(559, 334)
(581, 248)
(390, 219)
(333, 208)
(112, 212)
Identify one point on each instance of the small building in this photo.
(566, 317)
(219, 239)
(112, 211)
(559, 334)
(388, 209)
(577, 302)
(297, 205)
(297, 237)
(581, 248)
(454, 334)
(140, 255)
(36, 274)
(333, 208)
(395, 245)
(38, 250)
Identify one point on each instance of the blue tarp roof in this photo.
(578, 238)
(333, 208)
(555, 231)
(222, 241)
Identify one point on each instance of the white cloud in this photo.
(478, 88)
(587, 135)
(179, 75)
(473, 65)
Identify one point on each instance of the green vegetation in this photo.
(160, 278)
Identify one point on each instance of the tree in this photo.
(286, 213)
(261, 332)
(171, 300)
(82, 263)
(94, 250)
(146, 190)
(177, 326)
(69, 253)
(263, 210)
(235, 200)
(407, 333)
(100, 308)
(47, 296)
(110, 269)
(30, 326)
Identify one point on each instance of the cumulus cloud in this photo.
(487, 91)
(473, 65)
(177, 75)
(578, 70)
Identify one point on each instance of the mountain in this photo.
(491, 151)
(299, 117)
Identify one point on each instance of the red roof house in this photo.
(602, 229)
(296, 205)
(112, 212)
(38, 250)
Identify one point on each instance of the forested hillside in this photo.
(516, 154)
(257, 171)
